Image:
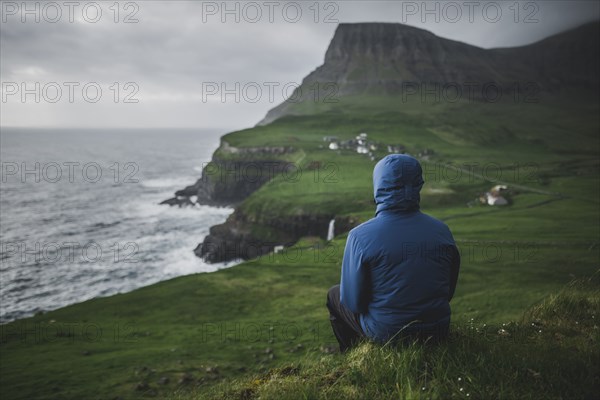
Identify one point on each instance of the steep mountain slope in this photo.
(386, 58)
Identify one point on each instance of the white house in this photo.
(360, 149)
(362, 139)
(495, 200)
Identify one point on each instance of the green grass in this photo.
(260, 328)
(524, 145)
(222, 321)
(551, 352)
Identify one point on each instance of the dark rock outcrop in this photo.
(179, 201)
(227, 182)
(235, 239)
(232, 176)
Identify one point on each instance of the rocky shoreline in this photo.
(237, 237)
(232, 176)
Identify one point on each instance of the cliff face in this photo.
(233, 175)
(237, 238)
(363, 55)
(381, 58)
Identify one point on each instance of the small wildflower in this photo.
(540, 331)
(533, 373)
(576, 323)
(423, 388)
(468, 394)
(462, 389)
(459, 379)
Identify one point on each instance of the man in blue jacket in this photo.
(399, 269)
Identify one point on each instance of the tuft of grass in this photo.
(572, 314)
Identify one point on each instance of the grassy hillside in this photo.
(261, 328)
(551, 352)
(519, 144)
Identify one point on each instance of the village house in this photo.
(362, 149)
(360, 144)
(494, 196)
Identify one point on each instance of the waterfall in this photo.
(331, 230)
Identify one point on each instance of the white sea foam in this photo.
(182, 261)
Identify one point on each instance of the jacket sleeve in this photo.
(354, 285)
(454, 269)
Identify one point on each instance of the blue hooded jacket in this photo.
(400, 268)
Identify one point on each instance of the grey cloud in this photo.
(171, 51)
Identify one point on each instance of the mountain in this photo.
(386, 58)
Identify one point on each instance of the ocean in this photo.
(79, 213)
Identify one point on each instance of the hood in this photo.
(397, 182)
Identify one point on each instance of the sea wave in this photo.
(49, 219)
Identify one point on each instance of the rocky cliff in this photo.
(239, 238)
(232, 175)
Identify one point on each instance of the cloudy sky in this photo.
(207, 64)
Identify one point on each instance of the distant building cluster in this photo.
(362, 145)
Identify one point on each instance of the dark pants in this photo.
(345, 324)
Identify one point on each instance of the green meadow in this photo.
(525, 313)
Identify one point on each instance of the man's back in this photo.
(410, 267)
(400, 268)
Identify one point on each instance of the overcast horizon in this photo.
(150, 64)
